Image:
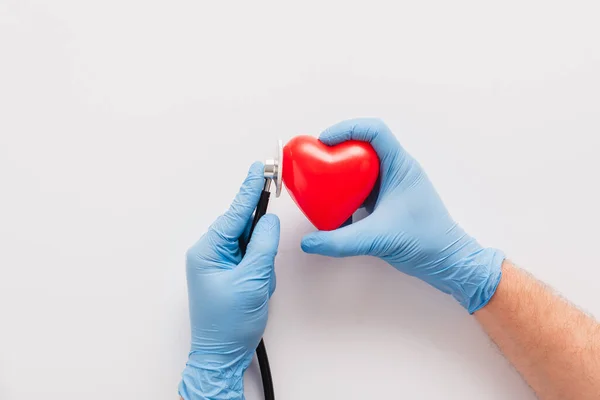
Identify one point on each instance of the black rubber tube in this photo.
(265, 371)
(261, 350)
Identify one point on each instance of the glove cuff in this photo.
(485, 267)
(202, 381)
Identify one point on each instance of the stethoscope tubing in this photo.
(261, 350)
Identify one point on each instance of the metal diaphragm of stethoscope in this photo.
(273, 173)
(273, 170)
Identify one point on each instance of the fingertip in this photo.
(310, 243)
(337, 133)
(304, 245)
(342, 242)
(257, 168)
(232, 224)
(364, 129)
(253, 183)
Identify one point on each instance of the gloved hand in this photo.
(409, 226)
(228, 296)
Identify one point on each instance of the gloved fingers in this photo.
(372, 130)
(231, 225)
(260, 255)
(351, 240)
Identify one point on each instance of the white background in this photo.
(126, 127)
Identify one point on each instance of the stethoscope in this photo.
(273, 173)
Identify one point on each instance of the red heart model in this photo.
(329, 183)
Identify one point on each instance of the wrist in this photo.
(204, 379)
(482, 271)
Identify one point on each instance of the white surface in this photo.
(115, 117)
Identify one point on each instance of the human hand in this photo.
(228, 296)
(409, 226)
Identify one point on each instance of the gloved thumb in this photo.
(259, 260)
(348, 241)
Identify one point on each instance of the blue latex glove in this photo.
(228, 296)
(409, 226)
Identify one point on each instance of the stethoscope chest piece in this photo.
(274, 169)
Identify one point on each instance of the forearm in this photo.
(554, 346)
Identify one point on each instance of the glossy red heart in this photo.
(329, 183)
